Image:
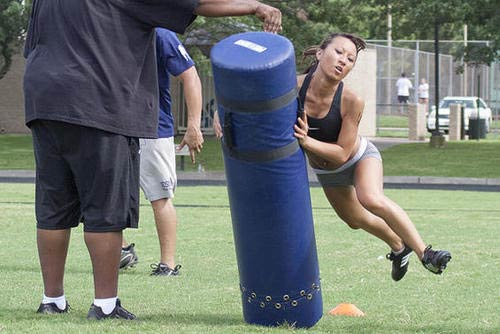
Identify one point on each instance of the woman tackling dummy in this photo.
(347, 165)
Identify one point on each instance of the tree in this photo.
(305, 23)
(416, 19)
(484, 22)
(13, 21)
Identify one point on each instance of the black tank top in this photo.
(324, 129)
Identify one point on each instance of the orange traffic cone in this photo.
(347, 309)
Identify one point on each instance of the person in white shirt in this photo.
(404, 85)
(423, 91)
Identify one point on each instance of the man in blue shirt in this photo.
(158, 178)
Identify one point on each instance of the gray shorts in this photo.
(157, 174)
(345, 177)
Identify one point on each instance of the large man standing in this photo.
(158, 175)
(91, 91)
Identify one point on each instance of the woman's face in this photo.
(338, 59)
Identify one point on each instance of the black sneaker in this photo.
(161, 269)
(51, 308)
(435, 260)
(96, 313)
(400, 263)
(128, 258)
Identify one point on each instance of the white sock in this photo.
(106, 304)
(399, 251)
(59, 301)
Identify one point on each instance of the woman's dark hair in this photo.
(311, 51)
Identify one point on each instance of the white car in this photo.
(470, 112)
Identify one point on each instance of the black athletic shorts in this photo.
(403, 99)
(85, 175)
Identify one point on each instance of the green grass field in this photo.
(392, 121)
(16, 152)
(459, 159)
(206, 297)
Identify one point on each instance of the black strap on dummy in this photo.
(255, 107)
(258, 106)
(261, 156)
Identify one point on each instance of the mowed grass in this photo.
(16, 152)
(479, 159)
(392, 121)
(206, 297)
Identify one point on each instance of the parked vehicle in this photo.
(470, 112)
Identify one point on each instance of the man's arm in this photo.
(193, 137)
(270, 16)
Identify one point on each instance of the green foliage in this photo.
(205, 32)
(482, 18)
(484, 23)
(306, 23)
(13, 21)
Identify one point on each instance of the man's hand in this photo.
(193, 138)
(270, 16)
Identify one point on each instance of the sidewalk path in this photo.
(397, 182)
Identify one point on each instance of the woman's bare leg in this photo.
(345, 203)
(368, 181)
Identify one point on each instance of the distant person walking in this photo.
(404, 85)
(423, 92)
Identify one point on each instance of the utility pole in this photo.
(437, 138)
(389, 49)
(464, 63)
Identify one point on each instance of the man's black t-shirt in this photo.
(92, 62)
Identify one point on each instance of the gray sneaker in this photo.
(162, 269)
(435, 260)
(128, 257)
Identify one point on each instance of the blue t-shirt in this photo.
(172, 59)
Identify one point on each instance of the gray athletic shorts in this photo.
(344, 175)
(157, 174)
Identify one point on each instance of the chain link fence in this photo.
(415, 59)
